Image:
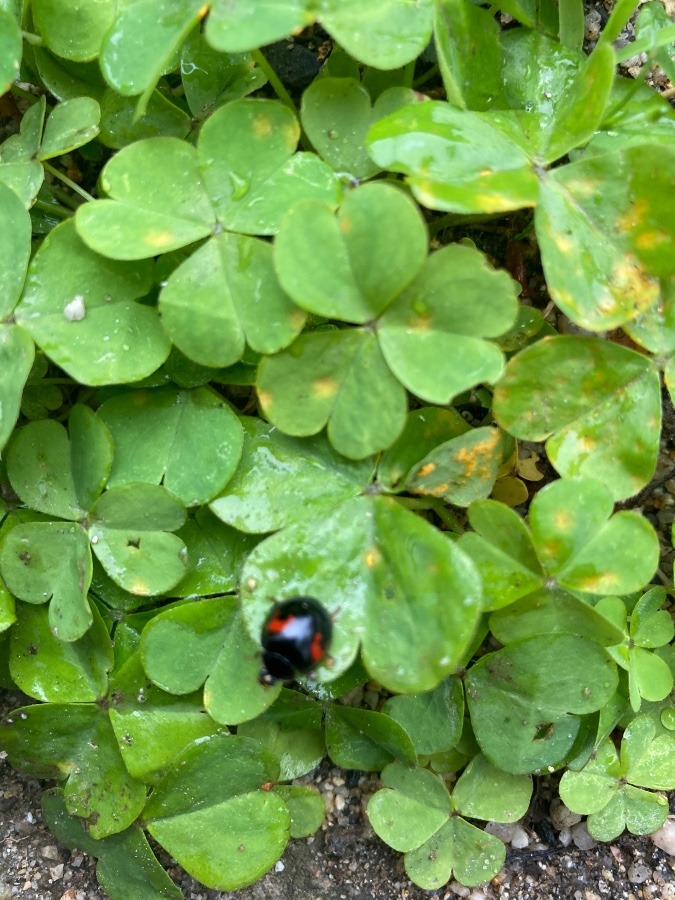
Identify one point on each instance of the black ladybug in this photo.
(295, 638)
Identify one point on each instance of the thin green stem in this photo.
(53, 210)
(64, 178)
(409, 73)
(34, 39)
(281, 93)
(425, 76)
(274, 79)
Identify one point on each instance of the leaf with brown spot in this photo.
(461, 470)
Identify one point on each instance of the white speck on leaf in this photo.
(75, 311)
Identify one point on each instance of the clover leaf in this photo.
(415, 813)
(525, 716)
(189, 441)
(257, 499)
(213, 816)
(454, 159)
(609, 789)
(370, 560)
(599, 409)
(127, 868)
(75, 742)
(649, 676)
(571, 543)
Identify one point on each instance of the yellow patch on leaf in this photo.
(265, 399)
(602, 583)
(426, 470)
(159, 239)
(563, 520)
(324, 387)
(262, 127)
(372, 557)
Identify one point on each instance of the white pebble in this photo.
(664, 838)
(561, 816)
(581, 837)
(520, 839)
(279, 866)
(638, 873)
(565, 836)
(503, 830)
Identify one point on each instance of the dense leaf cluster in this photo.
(235, 368)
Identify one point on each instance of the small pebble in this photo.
(520, 839)
(561, 816)
(664, 838)
(581, 837)
(503, 830)
(638, 873)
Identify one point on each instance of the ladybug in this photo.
(295, 638)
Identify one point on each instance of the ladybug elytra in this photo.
(295, 638)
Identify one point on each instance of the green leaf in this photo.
(211, 815)
(153, 727)
(589, 222)
(525, 709)
(144, 37)
(73, 30)
(306, 806)
(337, 378)
(76, 741)
(411, 807)
(51, 670)
(70, 125)
(599, 407)
(641, 812)
(39, 466)
(361, 739)
(91, 454)
(372, 562)
(158, 202)
(458, 848)
(80, 310)
(51, 561)
(257, 498)
(10, 50)
(189, 441)
(591, 789)
(121, 125)
(472, 79)
(251, 170)
(351, 266)
(552, 612)
(455, 160)
(211, 78)
(432, 336)
(216, 554)
(425, 429)
(16, 358)
(582, 547)
(461, 470)
(336, 114)
(127, 868)
(7, 608)
(382, 33)
(212, 646)
(224, 296)
(432, 719)
(239, 25)
(648, 758)
(15, 237)
(292, 730)
(129, 536)
(651, 22)
(485, 792)
(503, 552)
(580, 111)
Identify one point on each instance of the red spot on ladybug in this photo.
(295, 637)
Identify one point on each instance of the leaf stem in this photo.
(34, 39)
(53, 210)
(64, 178)
(274, 80)
(618, 18)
